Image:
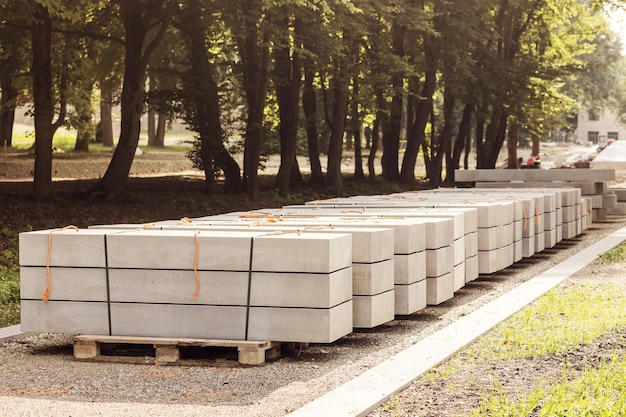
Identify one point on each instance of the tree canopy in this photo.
(430, 78)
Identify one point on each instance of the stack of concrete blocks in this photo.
(620, 201)
(439, 242)
(593, 183)
(465, 244)
(373, 295)
(494, 221)
(408, 248)
(253, 285)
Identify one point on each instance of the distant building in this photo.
(598, 127)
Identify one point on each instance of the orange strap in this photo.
(185, 220)
(537, 218)
(195, 265)
(46, 294)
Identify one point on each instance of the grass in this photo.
(559, 322)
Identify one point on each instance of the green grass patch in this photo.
(598, 391)
(563, 319)
(615, 255)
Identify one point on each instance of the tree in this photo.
(145, 23)
(201, 101)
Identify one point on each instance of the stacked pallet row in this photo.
(309, 273)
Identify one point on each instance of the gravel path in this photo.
(40, 377)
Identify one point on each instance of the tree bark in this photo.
(512, 162)
(205, 106)
(138, 20)
(43, 101)
(106, 119)
(7, 110)
(461, 141)
(288, 75)
(309, 106)
(337, 126)
(391, 136)
(376, 139)
(417, 132)
(357, 129)
(254, 53)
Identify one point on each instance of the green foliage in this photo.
(561, 320)
(9, 277)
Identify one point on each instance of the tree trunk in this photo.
(254, 53)
(136, 56)
(205, 106)
(287, 72)
(461, 142)
(7, 110)
(309, 106)
(43, 102)
(496, 134)
(335, 145)
(512, 162)
(357, 129)
(391, 136)
(376, 129)
(535, 145)
(417, 132)
(106, 119)
(85, 129)
(159, 135)
(152, 117)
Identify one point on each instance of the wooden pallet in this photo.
(156, 350)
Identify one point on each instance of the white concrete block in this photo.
(410, 298)
(471, 268)
(300, 324)
(71, 248)
(64, 317)
(373, 310)
(439, 289)
(175, 249)
(155, 286)
(67, 284)
(370, 279)
(410, 268)
(459, 276)
(439, 261)
(176, 320)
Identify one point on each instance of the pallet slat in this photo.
(167, 350)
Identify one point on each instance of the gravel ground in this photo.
(40, 377)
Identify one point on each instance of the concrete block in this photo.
(439, 261)
(373, 310)
(471, 268)
(579, 174)
(64, 317)
(71, 248)
(439, 289)
(609, 200)
(370, 279)
(619, 192)
(300, 324)
(488, 261)
(410, 298)
(540, 242)
(176, 320)
(66, 284)
(221, 250)
(155, 286)
(459, 276)
(300, 290)
(619, 209)
(410, 268)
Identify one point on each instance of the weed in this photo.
(615, 255)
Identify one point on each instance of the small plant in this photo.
(393, 405)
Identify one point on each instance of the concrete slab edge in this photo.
(363, 394)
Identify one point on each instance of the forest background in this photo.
(409, 79)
